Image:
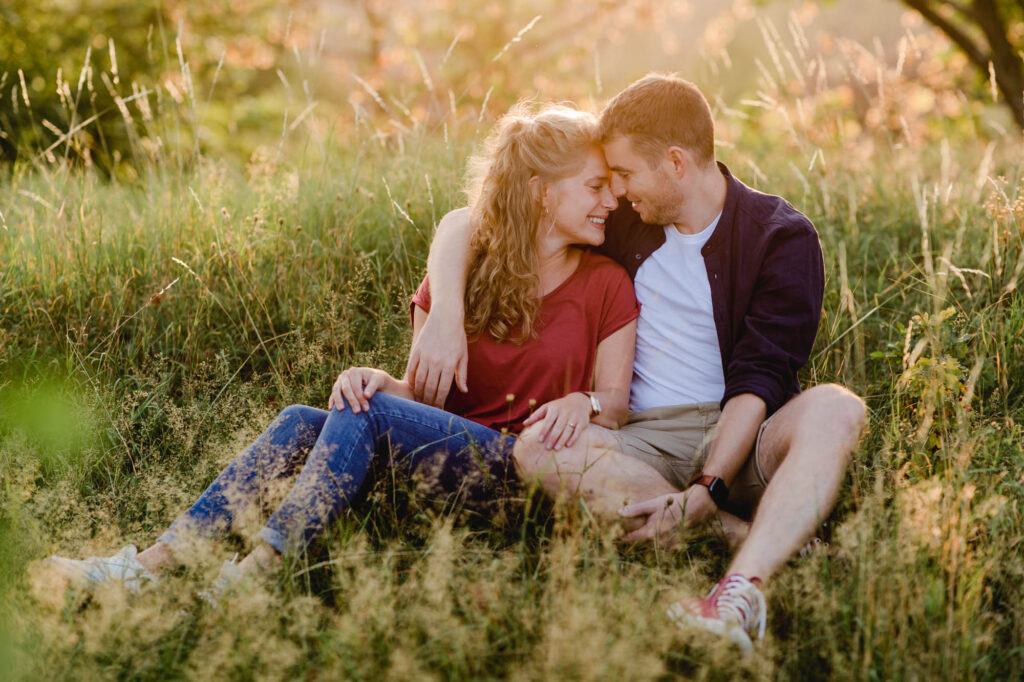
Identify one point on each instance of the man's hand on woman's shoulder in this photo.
(437, 357)
(439, 350)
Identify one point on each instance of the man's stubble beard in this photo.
(662, 209)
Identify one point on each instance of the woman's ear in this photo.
(537, 188)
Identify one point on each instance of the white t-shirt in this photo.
(678, 361)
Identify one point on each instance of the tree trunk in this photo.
(1005, 62)
(984, 15)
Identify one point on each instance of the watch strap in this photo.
(717, 488)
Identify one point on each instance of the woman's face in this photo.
(578, 205)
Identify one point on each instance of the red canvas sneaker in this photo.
(734, 608)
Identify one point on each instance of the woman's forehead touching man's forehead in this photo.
(622, 155)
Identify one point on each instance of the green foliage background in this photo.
(157, 308)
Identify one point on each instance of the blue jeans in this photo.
(332, 452)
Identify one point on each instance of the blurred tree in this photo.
(422, 59)
(991, 34)
(87, 81)
(42, 48)
(118, 85)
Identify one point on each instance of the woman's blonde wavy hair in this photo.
(502, 288)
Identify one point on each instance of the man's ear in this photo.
(678, 160)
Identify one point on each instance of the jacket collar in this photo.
(733, 190)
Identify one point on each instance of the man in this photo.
(730, 282)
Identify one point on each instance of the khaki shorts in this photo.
(675, 440)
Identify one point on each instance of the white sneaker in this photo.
(734, 608)
(122, 567)
(222, 586)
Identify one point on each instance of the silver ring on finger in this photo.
(572, 425)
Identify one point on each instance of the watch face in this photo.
(719, 493)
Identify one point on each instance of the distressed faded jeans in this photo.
(325, 457)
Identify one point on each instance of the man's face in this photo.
(654, 193)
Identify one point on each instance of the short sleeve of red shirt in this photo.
(508, 380)
(421, 297)
(619, 304)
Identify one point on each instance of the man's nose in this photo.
(618, 185)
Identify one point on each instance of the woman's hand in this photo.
(562, 420)
(357, 385)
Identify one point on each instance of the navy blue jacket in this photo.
(767, 281)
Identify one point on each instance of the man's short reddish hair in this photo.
(660, 111)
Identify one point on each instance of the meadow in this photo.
(153, 320)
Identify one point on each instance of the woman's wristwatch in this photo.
(716, 487)
(595, 404)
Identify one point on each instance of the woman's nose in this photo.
(608, 199)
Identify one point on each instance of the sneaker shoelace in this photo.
(737, 599)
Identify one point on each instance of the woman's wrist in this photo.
(397, 387)
(613, 404)
(586, 402)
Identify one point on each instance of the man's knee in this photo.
(529, 454)
(838, 414)
(827, 411)
(843, 409)
(565, 466)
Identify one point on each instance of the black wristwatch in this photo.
(716, 487)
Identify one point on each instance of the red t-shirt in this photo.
(594, 302)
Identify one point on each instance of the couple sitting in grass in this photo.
(685, 408)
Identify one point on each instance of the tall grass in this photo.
(150, 328)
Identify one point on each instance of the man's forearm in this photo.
(448, 264)
(439, 353)
(735, 435)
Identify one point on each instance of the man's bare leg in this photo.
(734, 529)
(593, 468)
(606, 478)
(804, 452)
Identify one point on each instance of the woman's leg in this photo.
(244, 487)
(467, 458)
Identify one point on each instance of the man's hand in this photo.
(664, 514)
(357, 385)
(437, 356)
(562, 420)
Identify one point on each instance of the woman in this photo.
(552, 329)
